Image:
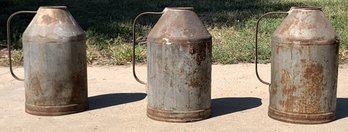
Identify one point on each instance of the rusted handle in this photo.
(9, 43)
(256, 52)
(133, 55)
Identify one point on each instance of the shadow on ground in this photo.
(223, 106)
(109, 100)
(342, 108)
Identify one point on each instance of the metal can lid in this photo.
(306, 8)
(53, 7)
(177, 8)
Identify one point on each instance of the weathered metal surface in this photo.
(54, 63)
(304, 68)
(179, 68)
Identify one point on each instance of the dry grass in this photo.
(231, 22)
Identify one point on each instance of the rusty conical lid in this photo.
(179, 25)
(52, 24)
(305, 25)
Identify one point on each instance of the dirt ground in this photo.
(118, 103)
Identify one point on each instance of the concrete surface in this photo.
(118, 103)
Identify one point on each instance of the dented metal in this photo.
(304, 66)
(179, 68)
(54, 63)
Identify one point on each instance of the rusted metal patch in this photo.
(177, 116)
(300, 118)
(55, 110)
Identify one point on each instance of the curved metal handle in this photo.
(9, 43)
(256, 52)
(133, 55)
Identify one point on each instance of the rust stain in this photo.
(274, 88)
(191, 50)
(286, 81)
(201, 51)
(289, 91)
(287, 25)
(47, 16)
(290, 103)
(311, 26)
(278, 47)
(79, 90)
(35, 91)
(56, 98)
(46, 19)
(198, 81)
(160, 114)
(36, 86)
(194, 82)
(310, 99)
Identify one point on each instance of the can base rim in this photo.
(177, 116)
(301, 118)
(55, 110)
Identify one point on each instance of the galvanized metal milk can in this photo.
(55, 69)
(179, 67)
(304, 66)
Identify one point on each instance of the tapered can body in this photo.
(304, 68)
(54, 63)
(179, 68)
